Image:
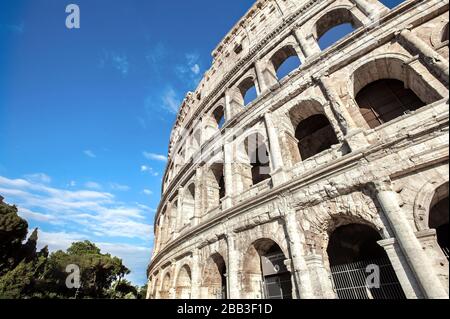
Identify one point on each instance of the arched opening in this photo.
(439, 216)
(391, 4)
(285, 61)
(258, 157)
(219, 117)
(265, 275)
(247, 88)
(315, 135)
(165, 288)
(214, 284)
(334, 26)
(188, 204)
(183, 286)
(445, 33)
(384, 100)
(215, 183)
(354, 255)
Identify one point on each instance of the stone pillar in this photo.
(320, 277)
(260, 76)
(401, 267)
(198, 198)
(372, 10)
(196, 274)
(437, 64)
(408, 242)
(180, 217)
(278, 174)
(228, 175)
(300, 269)
(172, 290)
(233, 284)
(308, 44)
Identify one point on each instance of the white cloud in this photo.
(93, 185)
(171, 102)
(149, 170)
(89, 153)
(189, 72)
(155, 157)
(147, 192)
(119, 187)
(117, 61)
(87, 210)
(39, 177)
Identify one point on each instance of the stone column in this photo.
(196, 274)
(260, 75)
(352, 135)
(172, 290)
(278, 174)
(308, 44)
(180, 217)
(433, 60)
(300, 269)
(320, 277)
(401, 267)
(228, 175)
(408, 242)
(233, 284)
(198, 197)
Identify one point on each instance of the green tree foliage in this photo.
(25, 273)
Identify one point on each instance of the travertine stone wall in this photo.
(214, 221)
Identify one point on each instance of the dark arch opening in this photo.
(353, 248)
(264, 272)
(385, 100)
(259, 158)
(445, 33)
(439, 217)
(315, 135)
(219, 116)
(215, 278)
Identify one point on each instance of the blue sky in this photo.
(85, 115)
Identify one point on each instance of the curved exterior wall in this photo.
(385, 177)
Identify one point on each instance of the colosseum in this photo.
(305, 170)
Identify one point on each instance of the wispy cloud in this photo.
(13, 28)
(38, 177)
(189, 71)
(93, 185)
(155, 157)
(117, 61)
(170, 100)
(149, 170)
(90, 154)
(147, 192)
(119, 187)
(88, 211)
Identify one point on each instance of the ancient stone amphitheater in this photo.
(301, 168)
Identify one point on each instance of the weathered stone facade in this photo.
(357, 138)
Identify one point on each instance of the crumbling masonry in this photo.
(356, 179)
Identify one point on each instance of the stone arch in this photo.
(189, 198)
(424, 201)
(264, 273)
(282, 57)
(214, 121)
(215, 185)
(445, 33)
(247, 89)
(439, 217)
(383, 73)
(166, 286)
(311, 131)
(351, 249)
(183, 283)
(214, 281)
(333, 18)
(253, 156)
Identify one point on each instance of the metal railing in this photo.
(350, 281)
